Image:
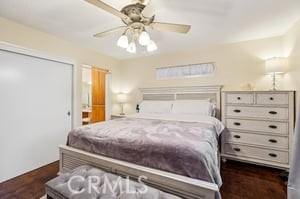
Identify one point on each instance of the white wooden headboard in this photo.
(185, 93)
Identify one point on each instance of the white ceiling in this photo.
(213, 21)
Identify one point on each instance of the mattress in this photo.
(184, 145)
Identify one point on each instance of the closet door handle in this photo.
(273, 112)
(272, 140)
(237, 111)
(237, 124)
(238, 98)
(273, 155)
(271, 98)
(273, 127)
(237, 149)
(237, 136)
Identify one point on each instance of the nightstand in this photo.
(117, 116)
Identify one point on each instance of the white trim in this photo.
(108, 98)
(31, 52)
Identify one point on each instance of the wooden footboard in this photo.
(185, 187)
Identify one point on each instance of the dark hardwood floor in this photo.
(240, 181)
(29, 185)
(246, 181)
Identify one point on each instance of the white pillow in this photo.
(149, 106)
(193, 107)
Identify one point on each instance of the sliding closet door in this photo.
(98, 95)
(35, 111)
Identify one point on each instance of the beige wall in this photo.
(237, 64)
(291, 41)
(27, 37)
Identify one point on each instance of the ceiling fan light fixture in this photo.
(131, 48)
(151, 46)
(137, 16)
(144, 38)
(123, 41)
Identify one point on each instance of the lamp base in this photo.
(122, 110)
(273, 89)
(274, 82)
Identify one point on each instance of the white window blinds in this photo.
(185, 71)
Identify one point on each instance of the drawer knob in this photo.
(237, 124)
(239, 98)
(273, 127)
(237, 136)
(237, 111)
(237, 149)
(272, 140)
(273, 155)
(271, 98)
(273, 112)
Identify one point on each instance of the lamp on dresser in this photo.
(276, 66)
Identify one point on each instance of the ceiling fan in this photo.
(137, 17)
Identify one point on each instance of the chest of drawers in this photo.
(260, 126)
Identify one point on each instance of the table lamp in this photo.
(275, 66)
(122, 99)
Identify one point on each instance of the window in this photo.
(185, 71)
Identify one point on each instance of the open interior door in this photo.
(98, 95)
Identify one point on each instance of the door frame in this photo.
(9, 47)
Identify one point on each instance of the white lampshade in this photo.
(132, 47)
(123, 41)
(122, 98)
(144, 38)
(151, 46)
(276, 65)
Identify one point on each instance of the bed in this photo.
(178, 152)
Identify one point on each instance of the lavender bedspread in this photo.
(185, 148)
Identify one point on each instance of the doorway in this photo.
(94, 91)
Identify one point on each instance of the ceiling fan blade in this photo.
(107, 8)
(179, 28)
(149, 10)
(111, 31)
(145, 2)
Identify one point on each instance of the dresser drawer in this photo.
(261, 126)
(272, 98)
(257, 139)
(240, 98)
(258, 112)
(258, 153)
